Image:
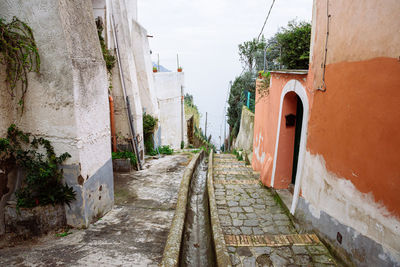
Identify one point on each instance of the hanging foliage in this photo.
(19, 53)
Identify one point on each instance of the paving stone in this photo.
(237, 222)
(302, 259)
(285, 230)
(322, 259)
(242, 216)
(248, 209)
(262, 250)
(219, 193)
(246, 230)
(277, 260)
(235, 209)
(231, 249)
(283, 223)
(234, 215)
(234, 231)
(258, 231)
(232, 203)
(258, 206)
(225, 220)
(249, 262)
(244, 251)
(244, 203)
(222, 212)
(278, 217)
(221, 202)
(317, 250)
(251, 215)
(270, 230)
(260, 201)
(299, 250)
(285, 252)
(234, 259)
(264, 261)
(266, 223)
(251, 222)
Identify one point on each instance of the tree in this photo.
(245, 82)
(294, 41)
(250, 53)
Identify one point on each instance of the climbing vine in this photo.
(43, 182)
(108, 57)
(19, 53)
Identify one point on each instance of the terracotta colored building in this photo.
(331, 134)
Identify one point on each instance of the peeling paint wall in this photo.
(351, 171)
(67, 103)
(266, 123)
(168, 88)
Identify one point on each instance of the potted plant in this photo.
(179, 69)
(155, 69)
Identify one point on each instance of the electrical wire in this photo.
(265, 22)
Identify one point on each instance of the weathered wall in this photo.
(141, 51)
(351, 171)
(168, 88)
(266, 125)
(122, 19)
(244, 140)
(67, 103)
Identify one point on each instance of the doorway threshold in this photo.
(286, 196)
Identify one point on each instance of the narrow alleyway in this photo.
(257, 230)
(132, 234)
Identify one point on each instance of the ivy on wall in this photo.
(19, 53)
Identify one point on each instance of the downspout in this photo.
(112, 124)
(126, 98)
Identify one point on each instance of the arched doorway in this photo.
(290, 140)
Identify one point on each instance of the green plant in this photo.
(182, 144)
(64, 233)
(125, 155)
(165, 150)
(155, 69)
(43, 182)
(149, 125)
(19, 54)
(263, 90)
(108, 57)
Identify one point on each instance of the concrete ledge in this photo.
(173, 245)
(221, 252)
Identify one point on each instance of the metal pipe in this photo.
(127, 104)
(112, 124)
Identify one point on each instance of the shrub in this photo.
(125, 155)
(165, 150)
(43, 182)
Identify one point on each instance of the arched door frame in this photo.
(293, 86)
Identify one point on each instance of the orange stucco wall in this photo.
(265, 129)
(355, 126)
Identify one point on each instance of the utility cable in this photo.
(265, 22)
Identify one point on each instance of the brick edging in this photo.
(173, 245)
(221, 252)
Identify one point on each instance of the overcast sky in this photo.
(206, 34)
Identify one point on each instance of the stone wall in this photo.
(244, 140)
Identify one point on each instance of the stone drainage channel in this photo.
(191, 241)
(197, 243)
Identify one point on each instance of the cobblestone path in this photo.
(257, 230)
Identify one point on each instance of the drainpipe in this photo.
(182, 114)
(112, 124)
